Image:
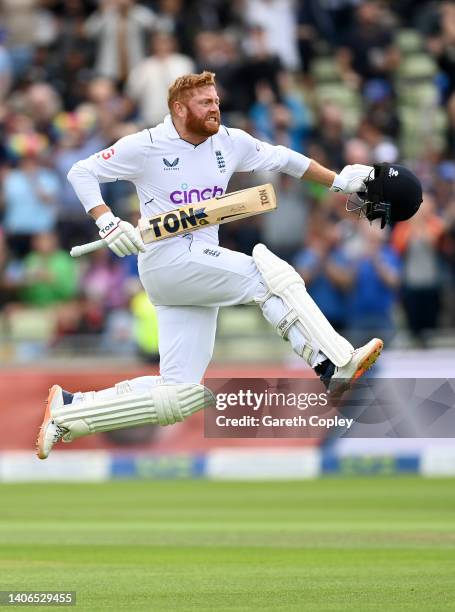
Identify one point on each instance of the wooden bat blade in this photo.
(223, 209)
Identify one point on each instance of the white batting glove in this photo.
(120, 236)
(352, 178)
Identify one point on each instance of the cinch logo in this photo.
(392, 172)
(188, 196)
(171, 165)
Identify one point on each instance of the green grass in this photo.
(335, 544)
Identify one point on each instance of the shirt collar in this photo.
(171, 132)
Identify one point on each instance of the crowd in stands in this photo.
(342, 81)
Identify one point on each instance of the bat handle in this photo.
(88, 247)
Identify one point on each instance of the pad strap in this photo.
(309, 351)
(286, 323)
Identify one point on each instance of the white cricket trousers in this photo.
(187, 280)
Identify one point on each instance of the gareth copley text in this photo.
(268, 420)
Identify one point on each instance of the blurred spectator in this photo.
(43, 67)
(41, 103)
(71, 15)
(111, 109)
(417, 240)
(451, 127)
(383, 149)
(443, 185)
(413, 13)
(103, 294)
(11, 273)
(30, 192)
(325, 269)
(176, 17)
(20, 20)
(329, 133)
(448, 251)
(149, 81)
(341, 14)
(286, 123)
(119, 28)
(78, 138)
(381, 107)
(368, 51)
(145, 327)
(213, 14)
(283, 231)
(374, 292)
(28, 120)
(327, 21)
(73, 53)
(279, 21)
(259, 65)
(441, 41)
(5, 66)
(50, 274)
(356, 151)
(312, 20)
(217, 52)
(104, 281)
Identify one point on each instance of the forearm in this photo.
(87, 189)
(99, 210)
(350, 180)
(319, 174)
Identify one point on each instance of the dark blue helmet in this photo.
(393, 194)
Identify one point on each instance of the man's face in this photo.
(203, 111)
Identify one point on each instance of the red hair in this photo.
(181, 87)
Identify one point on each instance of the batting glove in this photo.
(120, 236)
(352, 178)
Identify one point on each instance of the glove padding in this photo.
(120, 236)
(352, 178)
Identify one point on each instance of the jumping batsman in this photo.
(188, 158)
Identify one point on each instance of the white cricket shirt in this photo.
(169, 172)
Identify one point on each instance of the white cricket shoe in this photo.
(50, 433)
(362, 359)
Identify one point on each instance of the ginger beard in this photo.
(202, 126)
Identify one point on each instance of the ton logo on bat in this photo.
(173, 221)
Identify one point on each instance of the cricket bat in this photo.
(191, 217)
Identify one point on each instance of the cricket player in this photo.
(188, 158)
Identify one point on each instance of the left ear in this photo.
(179, 109)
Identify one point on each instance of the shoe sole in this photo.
(365, 365)
(47, 416)
(369, 360)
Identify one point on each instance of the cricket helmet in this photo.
(393, 194)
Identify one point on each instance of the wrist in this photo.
(106, 222)
(96, 211)
(339, 184)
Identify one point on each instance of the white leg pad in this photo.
(282, 280)
(161, 405)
